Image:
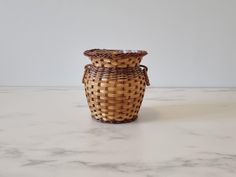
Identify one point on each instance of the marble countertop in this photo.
(179, 133)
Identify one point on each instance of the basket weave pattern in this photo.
(118, 63)
(115, 86)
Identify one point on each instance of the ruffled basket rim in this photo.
(114, 53)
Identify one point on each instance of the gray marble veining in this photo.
(180, 132)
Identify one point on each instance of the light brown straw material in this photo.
(114, 84)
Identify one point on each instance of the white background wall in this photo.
(190, 42)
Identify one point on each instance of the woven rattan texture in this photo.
(115, 88)
(117, 62)
(114, 54)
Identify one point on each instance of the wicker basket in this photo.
(114, 84)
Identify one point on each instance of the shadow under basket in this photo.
(115, 84)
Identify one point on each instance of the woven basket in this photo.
(114, 84)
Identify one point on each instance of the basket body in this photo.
(115, 84)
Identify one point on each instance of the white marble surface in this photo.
(179, 133)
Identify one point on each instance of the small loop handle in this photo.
(86, 69)
(145, 69)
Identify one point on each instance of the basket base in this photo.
(115, 121)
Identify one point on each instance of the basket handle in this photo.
(86, 69)
(145, 69)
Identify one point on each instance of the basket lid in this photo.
(112, 53)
